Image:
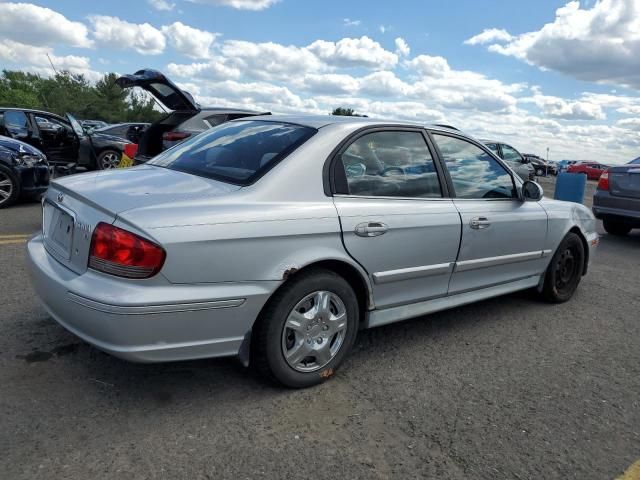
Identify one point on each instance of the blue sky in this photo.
(554, 74)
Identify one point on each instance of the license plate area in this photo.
(57, 229)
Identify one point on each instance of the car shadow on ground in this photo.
(164, 383)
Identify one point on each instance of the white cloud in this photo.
(347, 22)
(402, 48)
(34, 58)
(599, 44)
(117, 33)
(489, 35)
(566, 109)
(331, 83)
(354, 52)
(34, 25)
(270, 60)
(629, 123)
(162, 5)
(215, 69)
(188, 40)
(384, 84)
(240, 4)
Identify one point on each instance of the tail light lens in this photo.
(118, 252)
(175, 136)
(603, 183)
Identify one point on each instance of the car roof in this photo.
(32, 110)
(320, 121)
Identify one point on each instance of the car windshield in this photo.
(235, 152)
(635, 162)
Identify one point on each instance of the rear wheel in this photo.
(615, 228)
(565, 270)
(306, 329)
(9, 187)
(108, 159)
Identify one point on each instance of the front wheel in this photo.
(306, 329)
(539, 172)
(565, 270)
(615, 228)
(9, 187)
(108, 159)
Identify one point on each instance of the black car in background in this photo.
(186, 118)
(540, 165)
(90, 125)
(131, 131)
(62, 140)
(24, 171)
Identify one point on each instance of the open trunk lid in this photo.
(624, 181)
(163, 89)
(74, 205)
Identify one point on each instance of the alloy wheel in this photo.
(109, 160)
(6, 188)
(314, 331)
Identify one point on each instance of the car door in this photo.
(57, 138)
(502, 237)
(396, 220)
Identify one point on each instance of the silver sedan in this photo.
(276, 239)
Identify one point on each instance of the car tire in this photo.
(10, 187)
(539, 172)
(565, 270)
(298, 343)
(613, 227)
(108, 159)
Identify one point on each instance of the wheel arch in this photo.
(575, 229)
(356, 278)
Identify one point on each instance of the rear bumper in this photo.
(606, 205)
(144, 322)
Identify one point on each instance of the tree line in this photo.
(65, 92)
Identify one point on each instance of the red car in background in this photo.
(592, 169)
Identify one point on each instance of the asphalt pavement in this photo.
(506, 388)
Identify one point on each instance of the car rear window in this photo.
(235, 152)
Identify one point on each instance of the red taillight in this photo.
(603, 183)
(175, 136)
(118, 252)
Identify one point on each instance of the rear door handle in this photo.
(371, 229)
(479, 223)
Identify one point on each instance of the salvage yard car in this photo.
(277, 238)
(24, 171)
(185, 120)
(617, 199)
(63, 140)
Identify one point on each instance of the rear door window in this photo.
(236, 152)
(391, 164)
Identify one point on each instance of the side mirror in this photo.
(531, 191)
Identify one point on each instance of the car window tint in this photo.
(475, 173)
(391, 164)
(636, 161)
(14, 118)
(236, 152)
(510, 153)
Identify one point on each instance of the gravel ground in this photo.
(507, 388)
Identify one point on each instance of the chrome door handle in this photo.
(479, 223)
(371, 229)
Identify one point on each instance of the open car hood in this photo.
(163, 89)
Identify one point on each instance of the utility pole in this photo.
(546, 165)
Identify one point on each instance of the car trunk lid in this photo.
(624, 181)
(163, 89)
(74, 205)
